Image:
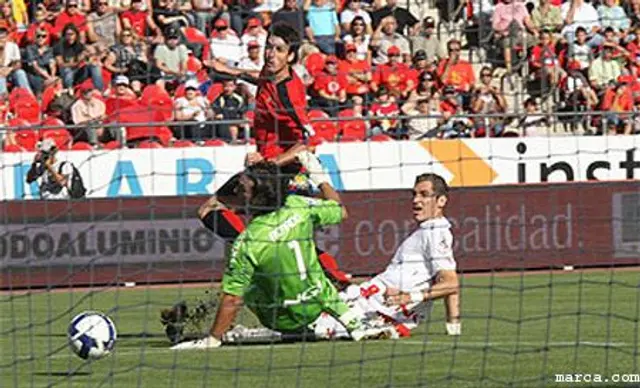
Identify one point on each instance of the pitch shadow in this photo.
(62, 374)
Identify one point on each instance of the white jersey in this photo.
(414, 266)
(427, 251)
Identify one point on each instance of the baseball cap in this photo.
(253, 22)
(191, 84)
(121, 80)
(47, 145)
(393, 50)
(429, 22)
(253, 44)
(383, 90)
(420, 55)
(221, 22)
(350, 47)
(172, 33)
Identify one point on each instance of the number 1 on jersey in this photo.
(295, 246)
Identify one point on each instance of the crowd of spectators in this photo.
(96, 64)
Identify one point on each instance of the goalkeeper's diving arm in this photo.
(229, 307)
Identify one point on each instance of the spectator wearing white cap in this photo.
(122, 88)
(195, 108)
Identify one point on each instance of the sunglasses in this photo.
(486, 75)
(358, 24)
(72, 6)
(454, 49)
(126, 35)
(41, 36)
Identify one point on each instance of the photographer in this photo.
(57, 180)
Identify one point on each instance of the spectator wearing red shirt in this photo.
(72, 15)
(384, 111)
(330, 88)
(40, 23)
(357, 72)
(544, 62)
(394, 75)
(139, 20)
(456, 72)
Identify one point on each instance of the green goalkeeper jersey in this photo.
(274, 266)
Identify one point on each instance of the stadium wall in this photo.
(158, 239)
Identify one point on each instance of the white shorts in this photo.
(369, 298)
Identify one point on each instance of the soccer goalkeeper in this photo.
(273, 268)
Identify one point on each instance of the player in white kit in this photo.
(422, 269)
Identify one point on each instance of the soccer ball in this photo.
(92, 335)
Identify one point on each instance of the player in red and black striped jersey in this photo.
(281, 128)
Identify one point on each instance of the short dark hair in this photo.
(271, 187)
(289, 34)
(440, 186)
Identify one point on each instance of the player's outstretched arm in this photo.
(227, 312)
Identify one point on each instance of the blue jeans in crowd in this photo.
(70, 74)
(326, 43)
(17, 78)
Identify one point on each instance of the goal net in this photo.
(546, 291)
(544, 201)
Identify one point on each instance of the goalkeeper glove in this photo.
(310, 162)
(454, 328)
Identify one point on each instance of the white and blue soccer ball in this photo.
(92, 335)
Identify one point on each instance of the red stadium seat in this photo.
(352, 129)
(24, 105)
(113, 105)
(326, 128)
(49, 94)
(13, 148)
(112, 145)
(158, 98)
(82, 146)
(134, 114)
(26, 139)
(149, 144)
(182, 144)
(214, 91)
(57, 132)
(215, 143)
(381, 137)
(193, 35)
(349, 139)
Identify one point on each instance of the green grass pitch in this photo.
(517, 331)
